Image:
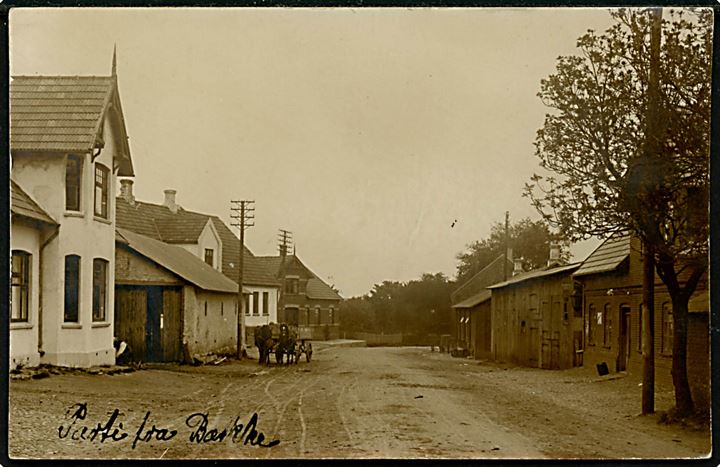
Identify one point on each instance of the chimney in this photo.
(170, 201)
(554, 253)
(126, 190)
(517, 266)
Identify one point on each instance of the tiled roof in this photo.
(316, 288)
(608, 256)
(319, 290)
(476, 299)
(537, 273)
(158, 222)
(21, 204)
(64, 114)
(272, 263)
(490, 274)
(184, 228)
(178, 261)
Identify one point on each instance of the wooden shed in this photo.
(471, 303)
(537, 319)
(169, 304)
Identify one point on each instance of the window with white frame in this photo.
(256, 303)
(73, 185)
(20, 286)
(72, 289)
(102, 177)
(99, 303)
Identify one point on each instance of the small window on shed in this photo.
(592, 324)
(607, 326)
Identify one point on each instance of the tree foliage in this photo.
(529, 240)
(420, 306)
(596, 145)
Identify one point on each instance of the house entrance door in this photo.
(623, 339)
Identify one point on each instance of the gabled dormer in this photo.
(68, 142)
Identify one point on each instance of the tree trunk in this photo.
(683, 396)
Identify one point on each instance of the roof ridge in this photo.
(467, 282)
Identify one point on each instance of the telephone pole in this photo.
(243, 215)
(507, 244)
(284, 241)
(652, 135)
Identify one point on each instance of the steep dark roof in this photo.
(319, 290)
(178, 261)
(474, 300)
(21, 204)
(535, 274)
(158, 222)
(184, 228)
(64, 114)
(490, 274)
(608, 256)
(316, 288)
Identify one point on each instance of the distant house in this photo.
(471, 302)
(305, 299)
(537, 319)
(68, 142)
(169, 304)
(209, 239)
(612, 284)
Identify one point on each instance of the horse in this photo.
(264, 342)
(286, 345)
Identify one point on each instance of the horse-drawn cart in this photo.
(287, 342)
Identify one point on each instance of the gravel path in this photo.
(347, 402)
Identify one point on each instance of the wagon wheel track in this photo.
(281, 408)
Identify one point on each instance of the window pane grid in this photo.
(101, 191)
(20, 285)
(99, 289)
(72, 288)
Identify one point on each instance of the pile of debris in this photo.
(208, 359)
(44, 371)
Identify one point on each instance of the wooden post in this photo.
(651, 152)
(241, 298)
(648, 327)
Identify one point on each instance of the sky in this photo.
(367, 133)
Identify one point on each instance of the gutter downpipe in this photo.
(40, 289)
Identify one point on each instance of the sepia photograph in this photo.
(359, 233)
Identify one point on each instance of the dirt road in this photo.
(347, 402)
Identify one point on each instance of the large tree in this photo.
(609, 173)
(529, 240)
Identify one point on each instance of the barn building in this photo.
(537, 319)
(169, 304)
(471, 304)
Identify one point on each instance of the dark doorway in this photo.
(153, 337)
(149, 319)
(623, 339)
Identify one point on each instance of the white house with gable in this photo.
(68, 144)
